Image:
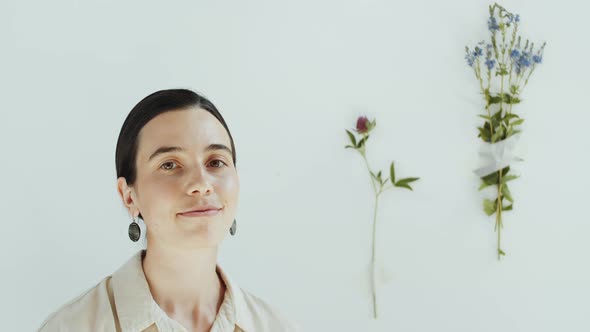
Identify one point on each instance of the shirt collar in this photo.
(240, 310)
(137, 309)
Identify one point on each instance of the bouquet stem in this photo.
(499, 214)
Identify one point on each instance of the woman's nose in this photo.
(199, 181)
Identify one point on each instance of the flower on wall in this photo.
(379, 184)
(503, 66)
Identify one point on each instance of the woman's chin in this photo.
(202, 233)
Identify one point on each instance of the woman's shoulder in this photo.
(262, 315)
(89, 311)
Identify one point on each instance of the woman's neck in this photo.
(185, 284)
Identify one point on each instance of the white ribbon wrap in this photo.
(498, 155)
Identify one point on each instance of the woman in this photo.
(176, 169)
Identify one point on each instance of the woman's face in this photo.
(184, 162)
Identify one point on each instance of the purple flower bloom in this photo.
(361, 124)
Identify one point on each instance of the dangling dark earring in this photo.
(134, 231)
(232, 230)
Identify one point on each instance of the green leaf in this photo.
(483, 186)
(362, 142)
(506, 193)
(507, 208)
(351, 137)
(510, 131)
(489, 207)
(501, 252)
(374, 176)
(404, 185)
(494, 100)
(497, 116)
(501, 71)
(379, 177)
(509, 117)
(484, 134)
(349, 147)
(496, 121)
(487, 117)
(392, 173)
(509, 178)
(517, 122)
(509, 99)
(498, 134)
(492, 178)
(372, 124)
(406, 181)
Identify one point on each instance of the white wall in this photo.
(289, 77)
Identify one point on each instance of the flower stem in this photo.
(499, 204)
(369, 169)
(373, 260)
(373, 283)
(499, 213)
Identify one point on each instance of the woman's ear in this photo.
(126, 194)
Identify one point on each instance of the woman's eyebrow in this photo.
(166, 149)
(214, 147)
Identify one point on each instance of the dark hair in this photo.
(148, 108)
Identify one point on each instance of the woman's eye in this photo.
(222, 163)
(167, 166)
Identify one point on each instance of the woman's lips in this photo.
(205, 213)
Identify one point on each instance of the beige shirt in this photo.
(123, 302)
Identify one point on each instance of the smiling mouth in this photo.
(205, 213)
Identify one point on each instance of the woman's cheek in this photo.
(162, 190)
(230, 185)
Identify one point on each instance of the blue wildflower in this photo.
(523, 62)
(537, 58)
(490, 63)
(493, 24)
(524, 59)
(517, 18)
(478, 52)
(470, 59)
(514, 54)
